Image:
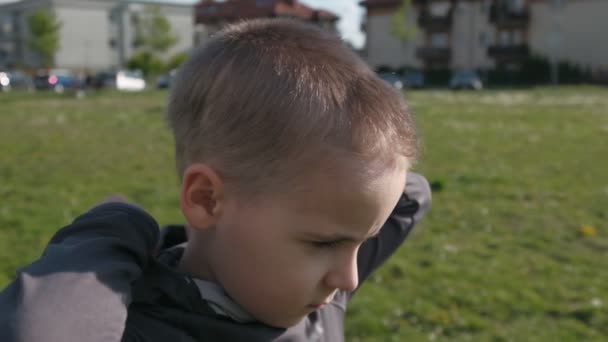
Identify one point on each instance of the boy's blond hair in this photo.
(264, 100)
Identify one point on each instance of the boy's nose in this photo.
(345, 276)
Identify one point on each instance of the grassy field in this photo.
(514, 249)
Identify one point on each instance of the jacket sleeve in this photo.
(79, 289)
(411, 207)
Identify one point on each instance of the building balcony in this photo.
(434, 54)
(503, 17)
(431, 23)
(510, 53)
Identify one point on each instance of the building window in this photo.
(134, 19)
(509, 38)
(263, 3)
(439, 39)
(516, 37)
(210, 10)
(504, 38)
(6, 28)
(7, 25)
(440, 9)
(15, 21)
(515, 6)
(485, 6)
(483, 39)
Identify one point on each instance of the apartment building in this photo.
(487, 34)
(94, 34)
(571, 30)
(210, 16)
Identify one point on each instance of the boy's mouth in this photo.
(317, 306)
(326, 300)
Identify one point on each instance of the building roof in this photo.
(172, 3)
(209, 11)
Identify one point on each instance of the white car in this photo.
(5, 81)
(130, 81)
(123, 80)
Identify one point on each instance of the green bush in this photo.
(175, 61)
(536, 70)
(148, 63)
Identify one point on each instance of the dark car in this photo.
(413, 79)
(12, 80)
(103, 79)
(466, 80)
(58, 80)
(166, 80)
(392, 78)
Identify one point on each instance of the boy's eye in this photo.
(325, 244)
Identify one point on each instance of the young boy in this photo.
(293, 158)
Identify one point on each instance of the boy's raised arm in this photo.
(412, 206)
(79, 289)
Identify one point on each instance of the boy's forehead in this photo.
(349, 199)
(356, 177)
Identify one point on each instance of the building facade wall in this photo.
(182, 25)
(15, 34)
(85, 33)
(94, 34)
(581, 28)
(581, 25)
(383, 49)
(179, 18)
(472, 33)
(468, 39)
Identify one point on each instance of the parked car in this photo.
(166, 80)
(16, 79)
(58, 80)
(413, 79)
(124, 80)
(5, 81)
(102, 80)
(393, 79)
(467, 79)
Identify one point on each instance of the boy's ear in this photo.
(202, 196)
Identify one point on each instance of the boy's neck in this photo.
(194, 263)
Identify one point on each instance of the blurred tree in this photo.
(153, 39)
(147, 62)
(44, 35)
(401, 26)
(153, 31)
(176, 60)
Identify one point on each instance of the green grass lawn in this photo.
(514, 249)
